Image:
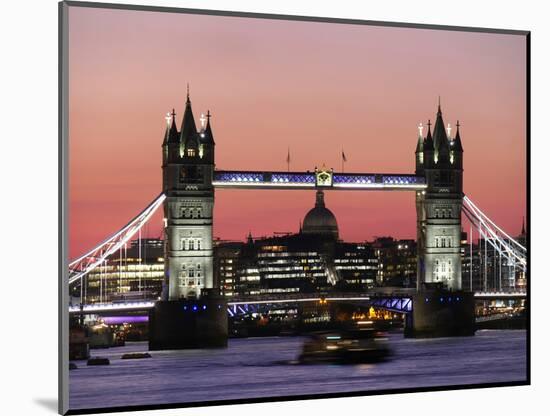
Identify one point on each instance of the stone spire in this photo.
(171, 135)
(457, 143)
(188, 126)
(208, 137)
(428, 142)
(441, 142)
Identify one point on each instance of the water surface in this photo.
(265, 367)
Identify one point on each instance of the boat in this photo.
(358, 345)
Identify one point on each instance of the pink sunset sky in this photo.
(271, 85)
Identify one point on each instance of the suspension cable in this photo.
(477, 210)
(88, 262)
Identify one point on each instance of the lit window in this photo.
(191, 152)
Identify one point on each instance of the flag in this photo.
(344, 156)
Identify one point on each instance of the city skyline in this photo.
(263, 104)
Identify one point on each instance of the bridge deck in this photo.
(389, 295)
(308, 180)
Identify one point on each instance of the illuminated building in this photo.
(356, 266)
(483, 268)
(310, 261)
(226, 255)
(397, 261)
(136, 272)
(289, 264)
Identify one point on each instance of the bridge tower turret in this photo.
(419, 153)
(439, 208)
(188, 169)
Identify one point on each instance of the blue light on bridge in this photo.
(239, 177)
(194, 308)
(308, 179)
(395, 304)
(292, 178)
(359, 179)
(203, 307)
(402, 180)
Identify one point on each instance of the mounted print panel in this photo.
(278, 208)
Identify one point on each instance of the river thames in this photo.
(267, 367)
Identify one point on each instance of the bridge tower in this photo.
(187, 172)
(191, 314)
(439, 207)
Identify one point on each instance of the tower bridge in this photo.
(189, 180)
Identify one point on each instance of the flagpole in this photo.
(288, 160)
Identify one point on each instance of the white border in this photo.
(29, 183)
